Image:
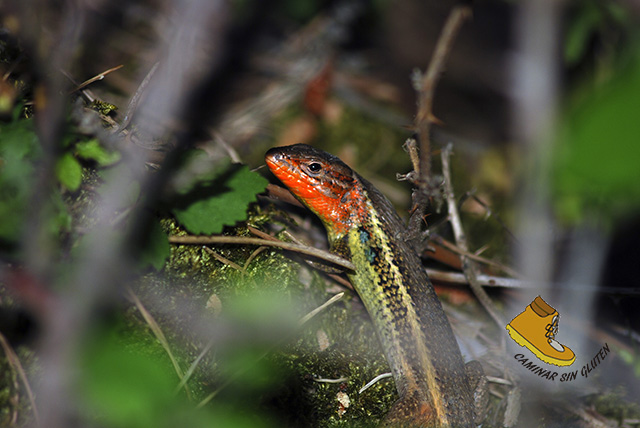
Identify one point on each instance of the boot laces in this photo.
(551, 331)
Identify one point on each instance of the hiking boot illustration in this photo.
(536, 329)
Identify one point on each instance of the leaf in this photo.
(69, 172)
(597, 157)
(93, 150)
(157, 250)
(220, 203)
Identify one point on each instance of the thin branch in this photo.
(374, 381)
(485, 280)
(252, 257)
(337, 278)
(461, 241)
(503, 282)
(238, 240)
(425, 85)
(477, 258)
(320, 308)
(223, 259)
(325, 380)
(95, 78)
(14, 361)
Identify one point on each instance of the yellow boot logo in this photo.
(536, 330)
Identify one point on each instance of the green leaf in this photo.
(69, 172)
(597, 160)
(223, 202)
(92, 150)
(157, 250)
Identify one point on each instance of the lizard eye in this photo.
(315, 167)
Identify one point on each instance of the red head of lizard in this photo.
(320, 181)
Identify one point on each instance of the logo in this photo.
(536, 330)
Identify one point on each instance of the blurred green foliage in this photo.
(593, 19)
(126, 385)
(19, 150)
(597, 159)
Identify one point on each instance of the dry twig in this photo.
(337, 278)
(477, 258)
(95, 78)
(461, 241)
(238, 240)
(425, 86)
(14, 361)
(224, 260)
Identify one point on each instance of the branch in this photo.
(425, 85)
(95, 78)
(238, 240)
(461, 240)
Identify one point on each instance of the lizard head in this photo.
(318, 179)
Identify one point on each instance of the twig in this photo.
(457, 249)
(425, 85)
(503, 282)
(238, 240)
(157, 332)
(338, 380)
(374, 381)
(251, 257)
(485, 280)
(461, 240)
(321, 308)
(95, 78)
(223, 259)
(337, 278)
(14, 361)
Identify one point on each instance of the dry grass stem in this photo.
(157, 332)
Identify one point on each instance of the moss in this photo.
(612, 405)
(353, 351)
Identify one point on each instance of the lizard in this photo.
(434, 386)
